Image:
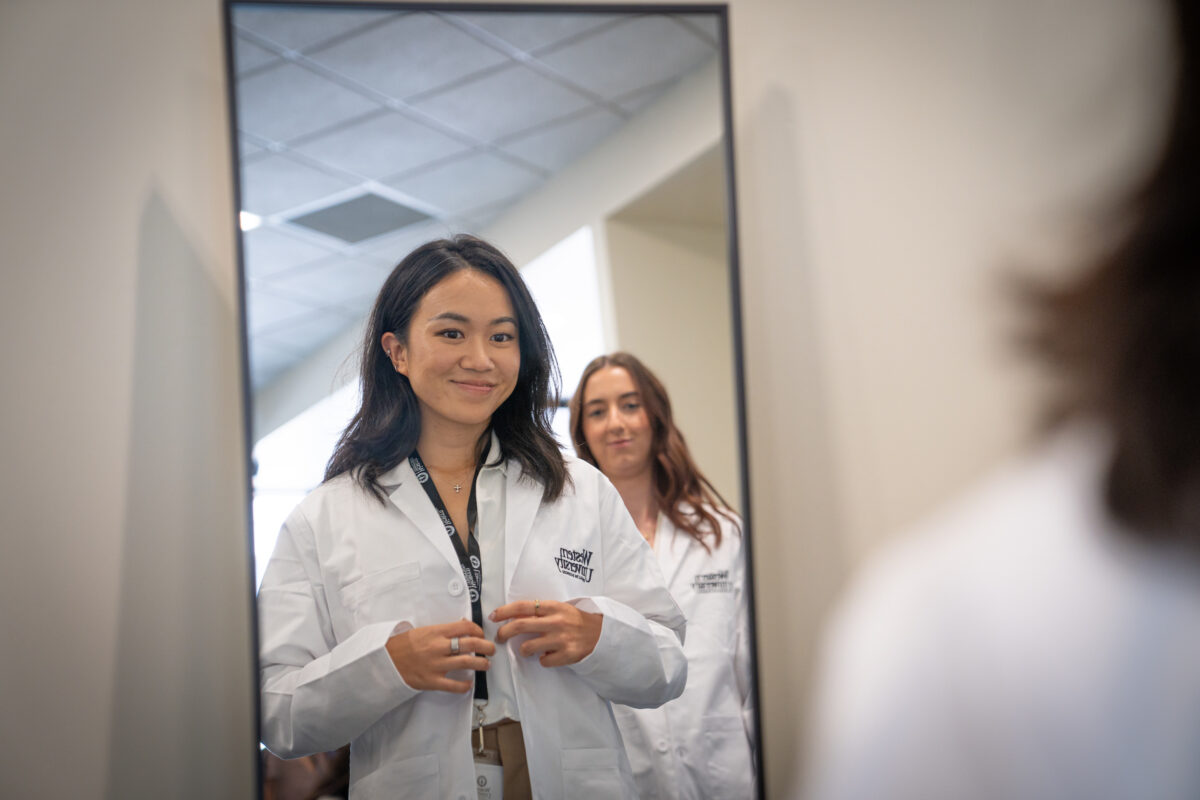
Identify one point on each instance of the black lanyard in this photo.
(468, 559)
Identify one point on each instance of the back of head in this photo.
(1125, 336)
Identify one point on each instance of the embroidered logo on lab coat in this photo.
(706, 582)
(574, 563)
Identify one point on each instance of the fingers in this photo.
(516, 627)
(461, 628)
(466, 662)
(520, 608)
(444, 684)
(476, 645)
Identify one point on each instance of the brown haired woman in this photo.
(701, 745)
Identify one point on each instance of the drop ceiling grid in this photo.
(465, 156)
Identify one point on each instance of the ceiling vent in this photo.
(359, 219)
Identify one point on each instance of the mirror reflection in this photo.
(588, 148)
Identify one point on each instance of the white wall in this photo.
(891, 160)
(125, 633)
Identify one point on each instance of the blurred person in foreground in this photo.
(1041, 638)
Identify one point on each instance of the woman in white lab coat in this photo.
(702, 744)
(455, 578)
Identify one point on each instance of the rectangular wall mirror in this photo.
(590, 143)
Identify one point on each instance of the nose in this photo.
(613, 421)
(475, 356)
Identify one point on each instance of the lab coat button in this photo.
(663, 746)
(455, 587)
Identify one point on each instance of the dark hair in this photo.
(1125, 336)
(677, 479)
(387, 425)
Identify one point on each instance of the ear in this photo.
(397, 353)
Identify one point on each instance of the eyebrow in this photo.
(454, 316)
(595, 400)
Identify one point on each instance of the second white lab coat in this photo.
(349, 572)
(700, 746)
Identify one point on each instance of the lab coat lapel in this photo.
(670, 550)
(412, 501)
(522, 500)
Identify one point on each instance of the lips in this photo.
(475, 387)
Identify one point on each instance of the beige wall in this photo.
(892, 158)
(670, 284)
(125, 633)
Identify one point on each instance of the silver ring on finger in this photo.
(454, 646)
(537, 608)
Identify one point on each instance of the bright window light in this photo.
(249, 221)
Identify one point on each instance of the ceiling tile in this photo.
(533, 30)
(285, 102)
(246, 147)
(268, 361)
(511, 99)
(391, 249)
(635, 53)
(340, 281)
(708, 25)
(304, 334)
(302, 28)
(635, 101)
(411, 54)
(381, 146)
(265, 310)
(272, 183)
(247, 55)
(269, 251)
(468, 183)
(555, 146)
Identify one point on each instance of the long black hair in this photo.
(387, 425)
(1125, 336)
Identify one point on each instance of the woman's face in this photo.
(615, 424)
(462, 355)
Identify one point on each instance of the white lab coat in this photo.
(700, 746)
(1019, 645)
(348, 572)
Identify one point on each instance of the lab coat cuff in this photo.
(366, 663)
(619, 622)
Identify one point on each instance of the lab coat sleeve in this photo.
(638, 660)
(317, 694)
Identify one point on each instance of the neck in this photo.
(638, 493)
(451, 450)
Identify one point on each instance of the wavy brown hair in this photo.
(1124, 337)
(678, 482)
(385, 429)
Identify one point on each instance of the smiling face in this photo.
(615, 424)
(461, 354)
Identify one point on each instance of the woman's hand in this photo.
(423, 655)
(562, 634)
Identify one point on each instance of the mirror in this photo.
(590, 144)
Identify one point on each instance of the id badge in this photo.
(489, 776)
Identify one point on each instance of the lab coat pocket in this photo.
(726, 756)
(393, 593)
(416, 778)
(591, 772)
